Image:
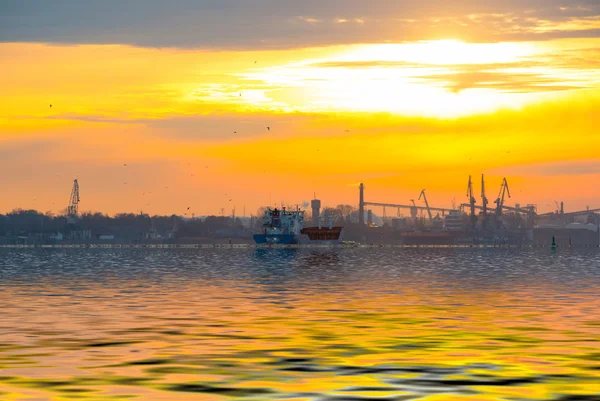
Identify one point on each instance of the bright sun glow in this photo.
(442, 52)
(445, 78)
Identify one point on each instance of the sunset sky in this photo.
(399, 94)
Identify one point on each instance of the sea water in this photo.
(299, 324)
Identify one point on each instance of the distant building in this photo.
(77, 235)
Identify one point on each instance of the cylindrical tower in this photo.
(316, 211)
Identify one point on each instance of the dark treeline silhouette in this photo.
(124, 225)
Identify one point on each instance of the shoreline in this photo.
(298, 246)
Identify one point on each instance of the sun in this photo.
(419, 78)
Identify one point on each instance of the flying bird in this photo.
(188, 208)
(268, 128)
(50, 106)
(255, 62)
(230, 200)
(124, 164)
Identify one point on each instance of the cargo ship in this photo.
(286, 227)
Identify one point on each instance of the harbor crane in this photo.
(501, 195)
(484, 200)
(73, 208)
(426, 204)
(472, 202)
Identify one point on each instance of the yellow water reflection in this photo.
(353, 338)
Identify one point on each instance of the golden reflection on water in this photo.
(358, 339)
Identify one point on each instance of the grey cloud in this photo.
(497, 76)
(273, 23)
(507, 82)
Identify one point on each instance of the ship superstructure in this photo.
(280, 226)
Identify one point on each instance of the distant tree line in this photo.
(21, 222)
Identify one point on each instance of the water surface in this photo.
(354, 324)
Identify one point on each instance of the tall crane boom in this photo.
(426, 204)
(501, 195)
(472, 202)
(483, 197)
(73, 208)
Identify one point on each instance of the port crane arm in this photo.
(472, 202)
(426, 204)
(501, 196)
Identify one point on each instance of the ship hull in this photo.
(304, 239)
(275, 239)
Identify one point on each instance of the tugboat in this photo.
(284, 227)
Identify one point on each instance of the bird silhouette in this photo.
(50, 106)
(255, 62)
(230, 200)
(268, 128)
(235, 132)
(124, 164)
